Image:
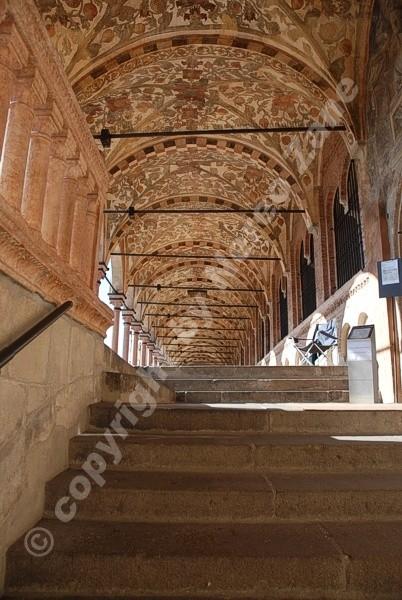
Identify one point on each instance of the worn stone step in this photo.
(177, 497)
(232, 497)
(317, 395)
(257, 385)
(249, 372)
(307, 560)
(275, 418)
(226, 452)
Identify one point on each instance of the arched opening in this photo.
(307, 280)
(283, 313)
(348, 232)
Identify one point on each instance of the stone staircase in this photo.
(255, 384)
(279, 501)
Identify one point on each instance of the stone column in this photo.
(13, 56)
(144, 349)
(66, 212)
(54, 190)
(78, 246)
(36, 172)
(91, 241)
(116, 301)
(136, 330)
(16, 139)
(151, 350)
(127, 322)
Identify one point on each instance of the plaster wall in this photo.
(44, 394)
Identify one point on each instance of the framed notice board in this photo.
(390, 278)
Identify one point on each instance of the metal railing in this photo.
(8, 352)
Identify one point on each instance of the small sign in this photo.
(390, 272)
(390, 278)
(361, 332)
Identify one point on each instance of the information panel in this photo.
(390, 278)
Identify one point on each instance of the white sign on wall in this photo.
(390, 272)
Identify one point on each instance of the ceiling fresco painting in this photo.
(189, 65)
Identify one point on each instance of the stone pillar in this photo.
(127, 322)
(36, 172)
(54, 190)
(102, 270)
(144, 349)
(13, 54)
(66, 212)
(17, 138)
(136, 330)
(91, 239)
(151, 350)
(116, 301)
(78, 244)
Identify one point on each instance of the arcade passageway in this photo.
(195, 184)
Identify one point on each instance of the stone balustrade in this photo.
(52, 176)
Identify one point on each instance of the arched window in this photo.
(268, 334)
(348, 232)
(283, 313)
(307, 280)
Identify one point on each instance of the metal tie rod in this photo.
(105, 136)
(197, 317)
(199, 305)
(131, 211)
(194, 289)
(194, 256)
(195, 328)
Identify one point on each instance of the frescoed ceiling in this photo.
(186, 65)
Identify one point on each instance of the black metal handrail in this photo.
(8, 352)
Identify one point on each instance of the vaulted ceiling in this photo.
(167, 65)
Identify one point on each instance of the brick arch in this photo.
(264, 159)
(256, 44)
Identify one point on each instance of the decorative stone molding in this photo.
(32, 30)
(29, 260)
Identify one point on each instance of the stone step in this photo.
(212, 372)
(292, 560)
(257, 397)
(257, 385)
(233, 497)
(240, 452)
(379, 419)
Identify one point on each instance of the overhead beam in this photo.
(213, 347)
(195, 328)
(193, 288)
(132, 211)
(174, 337)
(198, 305)
(194, 256)
(106, 137)
(197, 317)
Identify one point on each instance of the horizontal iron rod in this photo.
(197, 328)
(218, 339)
(197, 317)
(204, 350)
(194, 289)
(193, 256)
(105, 136)
(199, 305)
(200, 211)
(213, 346)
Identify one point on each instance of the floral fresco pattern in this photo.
(84, 30)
